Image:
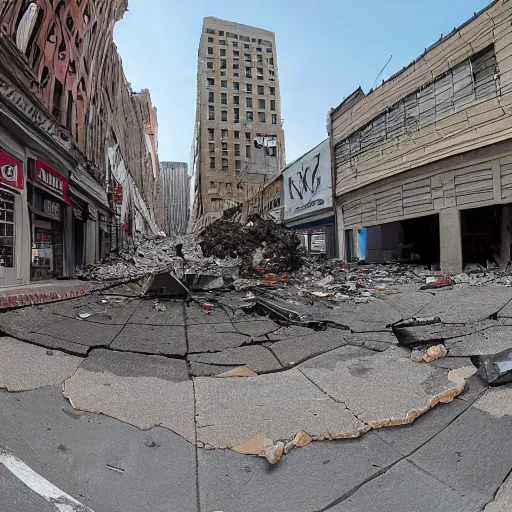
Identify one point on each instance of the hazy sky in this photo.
(325, 50)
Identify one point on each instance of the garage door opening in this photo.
(486, 236)
(410, 241)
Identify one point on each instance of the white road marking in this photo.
(62, 501)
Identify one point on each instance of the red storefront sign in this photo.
(50, 179)
(118, 193)
(11, 171)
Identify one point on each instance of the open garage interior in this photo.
(485, 234)
(413, 240)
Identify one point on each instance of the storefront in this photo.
(12, 214)
(49, 200)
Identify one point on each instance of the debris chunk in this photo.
(442, 282)
(434, 353)
(207, 306)
(272, 452)
(301, 439)
(241, 371)
(84, 316)
(495, 369)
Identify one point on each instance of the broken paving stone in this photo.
(272, 452)
(300, 440)
(495, 369)
(241, 371)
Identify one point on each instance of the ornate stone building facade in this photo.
(81, 145)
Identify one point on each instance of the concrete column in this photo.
(450, 240)
(506, 238)
(340, 233)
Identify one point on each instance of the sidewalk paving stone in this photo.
(146, 314)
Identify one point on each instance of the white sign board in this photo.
(307, 183)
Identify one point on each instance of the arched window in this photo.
(26, 26)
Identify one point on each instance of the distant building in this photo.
(239, 140)
(175, 191)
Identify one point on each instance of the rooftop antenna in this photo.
(382, 71)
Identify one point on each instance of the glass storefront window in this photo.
(6, 230)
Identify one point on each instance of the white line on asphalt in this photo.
(62, 501)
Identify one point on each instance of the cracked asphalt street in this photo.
(119, 405)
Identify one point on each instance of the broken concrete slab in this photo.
(404, 487)
(232, 411)
(166, 284)
(503, 499)
(232, 482)
(146, 314)
(408, 302)
(452, 458)
(24, 367)
(51, 437)
(135, 389)
(468, 304)
(214, 337)
(293, 350)
(257, 358)
(381, 388)
(52, 343)
(168, 340)
(197, 315)
(253, 327)
(89, 334)
(495, 369)
(489, 341)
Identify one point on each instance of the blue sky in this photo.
(325, 50)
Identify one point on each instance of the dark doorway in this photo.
(79, 230)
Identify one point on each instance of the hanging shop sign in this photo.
(11, 171)
(50, 179)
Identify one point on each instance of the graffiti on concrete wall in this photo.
(307, 183)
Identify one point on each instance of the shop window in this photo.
(6, 230)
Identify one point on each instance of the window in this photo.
(269, 50)
(211, 113)
(211, 134)
(224, 115)
(222, 52)
(223, 63)
(7, 229)
(249, 116)
(236, 53)
(260, 73)
(247, 137)
(224, 148)
(236, 100)
(272, 91)
(212, 162)
(210, 31)
(248, 102)
(236, 115)
(231, 35)
(258, 50)
(247, 57)
(274, 118)
(211, 147)
(224, 84)
(238, 167)
(237, 149)
(210, 40)
(261, 89)
(272, 104)
(224, 98)
(236, 74)
(248, 72)
(248, 88)
(236, 86)
(272, 151)
(209, 64)
(246, 46)
(271, 61)
(271, 74)
(261, 117)
(261, 103)
(248, 151)
(253, 39)
(222, 42)
(235, 44)
(237, 135)
(225, 166)
(236, 65)
(210, 81)
(211, 97)
(223, 72)
(224, 134)
(221, 33)
(244, 38)
(210, 50)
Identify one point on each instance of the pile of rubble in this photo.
(261, 245)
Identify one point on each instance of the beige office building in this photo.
(239, 140)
